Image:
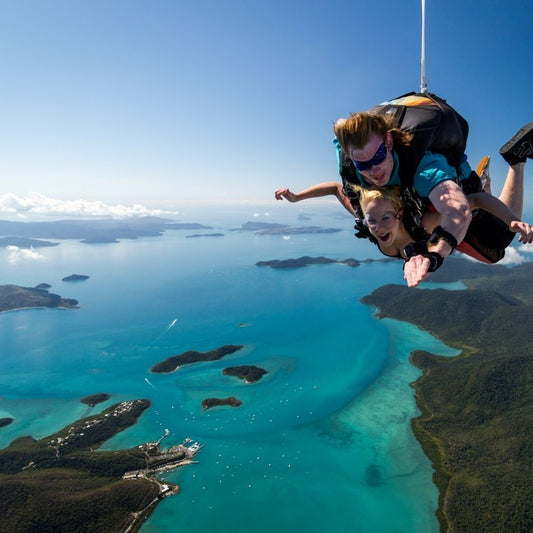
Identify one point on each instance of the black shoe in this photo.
(520, 147)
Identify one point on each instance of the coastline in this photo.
(16, 297)
(473, 422)
(37, 307)
(63, 480)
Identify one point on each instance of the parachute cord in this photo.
(423, 85)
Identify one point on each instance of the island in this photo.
(256, 226)
(24, 242)
(14, 297)
(173, 363)
(95, 399)
(62, 483)
(215, 402)
(270, 228)
(197, 235)
(5, 421)
(302, 230)
(96, 230)
(100, 239)
(306, 260)
(75, 277)
(186, 226)
(249, 373)
(476, 421)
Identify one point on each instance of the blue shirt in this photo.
(432, 170)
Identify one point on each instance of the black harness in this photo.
(436, 127)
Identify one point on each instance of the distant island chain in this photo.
(109, 231)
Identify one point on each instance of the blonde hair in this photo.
(392, 194)
(355, 131)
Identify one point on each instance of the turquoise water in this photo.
(321, 443)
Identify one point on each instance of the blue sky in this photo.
(164, 103)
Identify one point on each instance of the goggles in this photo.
(386, 220)
(377, 159)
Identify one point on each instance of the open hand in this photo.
(416, 270)
(287, 194)
(525, 230)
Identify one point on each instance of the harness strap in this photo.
(420, 248)
(440, 233)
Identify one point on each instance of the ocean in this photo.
(321, 443)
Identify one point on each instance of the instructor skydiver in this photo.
(369, 142)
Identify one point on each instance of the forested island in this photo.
(15, 297)
(61, 483)
(75, 277)
(305, 260)
(5, 421)
(208, 403)
(95, 399)
(476, 424)
(249, 373)
(173, 363)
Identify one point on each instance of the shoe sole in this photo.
(507, 148)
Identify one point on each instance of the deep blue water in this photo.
(321, 443)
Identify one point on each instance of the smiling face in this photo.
(383, 220)
(377, 174)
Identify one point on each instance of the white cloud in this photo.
(513, 257)
(39, 204)
(16, 255)
(526, 248)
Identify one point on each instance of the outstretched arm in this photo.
(483, 200)
(455, 216)
(416, 269)
(329, 188)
